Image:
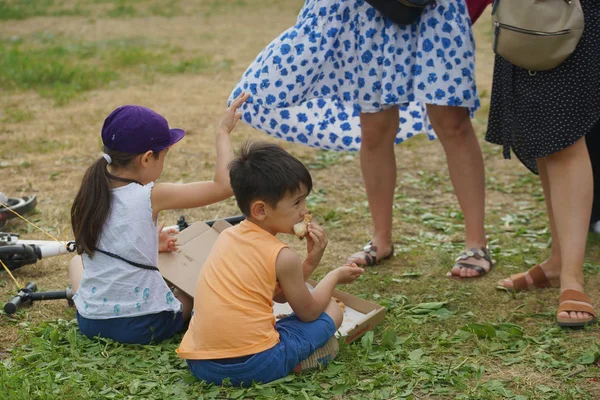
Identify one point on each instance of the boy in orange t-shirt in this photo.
(233, 334)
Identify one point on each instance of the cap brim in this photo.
(176, 135)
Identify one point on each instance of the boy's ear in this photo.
(258, 210)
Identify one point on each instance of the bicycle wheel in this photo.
(21, 206)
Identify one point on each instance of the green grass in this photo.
(327, 158)
(51, 71)
(165, 8)
(122, 10)
(137, 8)
(62, 69)
(23, 9)
(16, 114)
(400, 360)
(436, 342)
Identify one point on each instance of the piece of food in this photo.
(281, 316)
(340, 303)
(301, 228)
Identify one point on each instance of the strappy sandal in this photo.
(478, 254)
(371, 254)
(567, 304)
(539, 280)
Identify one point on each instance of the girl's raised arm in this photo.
(167, 196)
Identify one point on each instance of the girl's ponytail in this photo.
(90, 207)
(92, 203)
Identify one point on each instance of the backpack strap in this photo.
(138, 265)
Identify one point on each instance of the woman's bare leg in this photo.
(378, 165)
(571, 186)
(551, 266)
(465, 165)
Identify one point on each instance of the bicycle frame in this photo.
(16, 253)
(27, 295)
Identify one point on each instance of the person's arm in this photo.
(308, 305)
(316, 242)
(224, 147)
(168, 196)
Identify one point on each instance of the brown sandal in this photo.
(538, 278)
(567, 304)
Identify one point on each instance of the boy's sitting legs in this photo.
(329, 351)
(308, 338)
(297, 342)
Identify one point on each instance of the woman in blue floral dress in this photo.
(346, 78)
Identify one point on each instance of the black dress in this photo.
(538, 114)
(592, 139)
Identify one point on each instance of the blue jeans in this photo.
(297, 340)
(143, 329)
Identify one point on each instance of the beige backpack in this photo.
(536, 34)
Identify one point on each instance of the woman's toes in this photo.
(506, 283)
(582, 315)
(355, 260)
(573, 315)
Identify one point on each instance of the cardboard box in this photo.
(182, 268)
(360, 315)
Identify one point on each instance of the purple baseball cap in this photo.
(136, 129)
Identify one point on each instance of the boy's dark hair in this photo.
(265, 171)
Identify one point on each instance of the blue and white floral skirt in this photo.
(311, 83)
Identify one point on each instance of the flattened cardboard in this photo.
(183, 266)
(182, 269)
(360, 315)
(374, 314)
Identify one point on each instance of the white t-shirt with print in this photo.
(111, 288)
